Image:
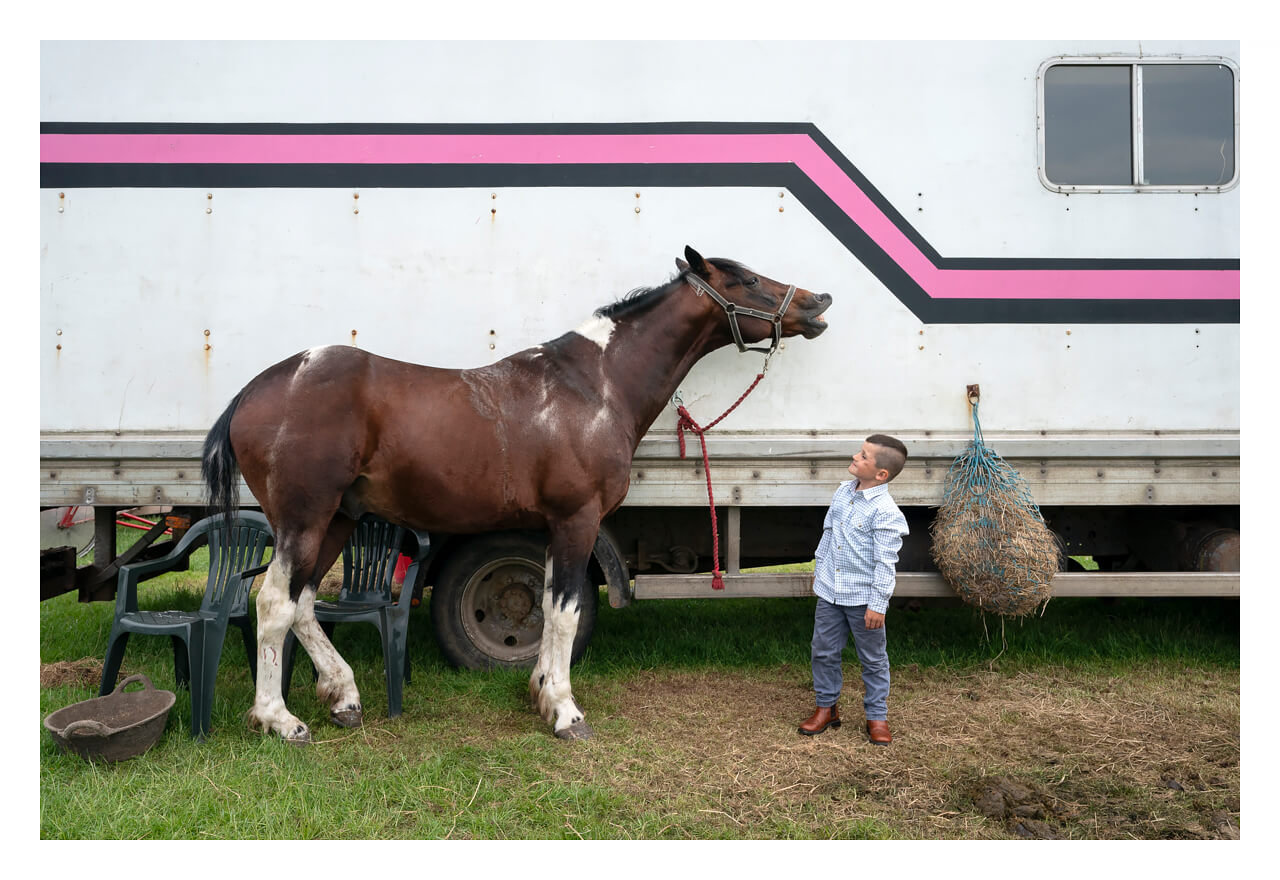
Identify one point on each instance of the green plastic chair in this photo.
(369, 561)
(197, 635)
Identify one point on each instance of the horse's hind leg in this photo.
(335, 684)
(286, 600)
(549, 684)
(276, 612)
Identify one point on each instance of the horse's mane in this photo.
(643, 297)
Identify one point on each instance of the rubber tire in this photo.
(456, 587)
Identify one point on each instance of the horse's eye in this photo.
(752, 282)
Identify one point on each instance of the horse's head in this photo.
(758, 308)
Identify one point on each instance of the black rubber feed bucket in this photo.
(116, 727)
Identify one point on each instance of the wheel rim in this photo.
(502, 609)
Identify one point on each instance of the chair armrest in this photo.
(252, 573)
(131, 575)
(419, 544)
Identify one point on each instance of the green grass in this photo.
(468, 758)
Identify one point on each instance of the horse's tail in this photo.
(219, 468)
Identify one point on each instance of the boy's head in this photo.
(879, 461)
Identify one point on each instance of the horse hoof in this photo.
(580, 730)
(347, 717)
(301, 736)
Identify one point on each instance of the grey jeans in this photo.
(832, 625)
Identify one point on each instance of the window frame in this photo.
(1136, 63)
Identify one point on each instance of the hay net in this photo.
(990, 541)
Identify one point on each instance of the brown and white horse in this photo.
(542, 439)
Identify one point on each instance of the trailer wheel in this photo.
(486, 605)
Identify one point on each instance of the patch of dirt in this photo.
(1025, 810)
(976, 754)
(86, 672)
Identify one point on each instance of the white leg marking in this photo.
(555, 694)
(335, 684)
(538, 678)
(275, 615)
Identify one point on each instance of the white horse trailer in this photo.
(1056, 222)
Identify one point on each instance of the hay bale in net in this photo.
(990, 541)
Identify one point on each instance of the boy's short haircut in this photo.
(891, 455)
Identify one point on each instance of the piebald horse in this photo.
(542, 439)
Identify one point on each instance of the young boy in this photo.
(854, 577)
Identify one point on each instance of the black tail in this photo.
(219, 468)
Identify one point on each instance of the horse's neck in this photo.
(655, 351)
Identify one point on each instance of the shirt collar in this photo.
(873, 492)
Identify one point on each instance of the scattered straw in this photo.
(84, 672)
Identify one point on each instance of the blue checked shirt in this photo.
(861, 537)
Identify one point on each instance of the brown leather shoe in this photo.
(879, 733)
(822, 718)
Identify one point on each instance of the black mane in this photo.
(643, 297)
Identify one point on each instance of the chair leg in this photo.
(111, 665)
(181, 667)
(208, 658)
(289, 651)
(196, 658)
(394, 658)
(250, 644)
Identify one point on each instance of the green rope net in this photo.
(990, 541)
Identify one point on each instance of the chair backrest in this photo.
(369, 561)
(250, 534)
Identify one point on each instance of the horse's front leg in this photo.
(335, 683)
(561, 606)
(276, 613)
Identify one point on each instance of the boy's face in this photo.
(864, 465)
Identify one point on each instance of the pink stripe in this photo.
(416, 149)
(649, 149)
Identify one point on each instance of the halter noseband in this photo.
(732, 310)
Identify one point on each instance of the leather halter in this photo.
(732, 310)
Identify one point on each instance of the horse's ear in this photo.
(682, 265)
(696, 262)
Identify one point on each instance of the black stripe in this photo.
(71, 175)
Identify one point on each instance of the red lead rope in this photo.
(686, 421)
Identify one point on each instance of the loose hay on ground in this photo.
(85, 672)
(1072, 745)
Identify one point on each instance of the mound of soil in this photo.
(1026, 809)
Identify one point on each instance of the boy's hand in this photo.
(873, 619)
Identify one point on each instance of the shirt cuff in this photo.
(880, 603)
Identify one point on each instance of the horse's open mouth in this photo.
(816, 324)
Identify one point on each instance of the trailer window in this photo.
(1154, 124)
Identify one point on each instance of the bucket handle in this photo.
(136, 677)
(87, 725)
